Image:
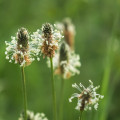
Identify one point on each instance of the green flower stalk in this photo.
(24, 92)
(53, 91)
(80, 118)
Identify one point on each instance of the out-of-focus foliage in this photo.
(94, 21)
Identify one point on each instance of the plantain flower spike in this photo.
(68, 30)
(21, 50)
(87, 97)
(32, 116)
(66, 62)
(63, 57)
(48, 39)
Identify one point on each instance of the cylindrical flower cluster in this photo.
(48, 39)
(21, 49)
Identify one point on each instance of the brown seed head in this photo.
(47, 48)
(68, 32)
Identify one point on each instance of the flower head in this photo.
(87, 96)
(63, 57)
(32, 116)
(66, 62)
(21, 50)
(68, 31)
(48, 39)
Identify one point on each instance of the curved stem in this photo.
(24, 93)
(61, 99)
(53, 91)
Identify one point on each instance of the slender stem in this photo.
(61, 99)
(80, 118)
(24, 93)
(53, 91)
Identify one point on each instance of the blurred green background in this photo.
(97, 42)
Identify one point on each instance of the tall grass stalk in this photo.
(107, 71)
(61, 99)
(113, 86)
(53, 91)
(24, 93)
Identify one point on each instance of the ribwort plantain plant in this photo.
(48, 40)
(64, 69)
(66, 64)
(22, 51)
